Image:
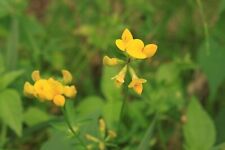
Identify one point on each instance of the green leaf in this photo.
(11, 110)
(212, 65)
(34, 116)
(145, 143)
(199, 131)
(58, 141)
(5, 8)
(89, 105)
(9, 78)
(112, 112)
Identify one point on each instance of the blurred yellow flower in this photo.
(112, 134)
(119, 78)
(50, 89)
(29, 90)
(125, 39)
(105, 136)
(69, 91)
(102, 126)
(111, 61)
(67, 76)
(136, 82)
(36, 75)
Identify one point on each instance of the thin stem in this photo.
(125, 99)
(205, 25)
(71, 127)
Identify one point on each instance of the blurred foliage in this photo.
(182, 106)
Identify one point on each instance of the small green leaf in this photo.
(11, 110)
(199, 131)
(90, 105)
(34, 116)
(212, 65)
(58, 141)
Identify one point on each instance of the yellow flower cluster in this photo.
(105, 136)
(50, 89)
(133, 49)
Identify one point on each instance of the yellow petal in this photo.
(44, 90)
(110, 61)
(102, 125)
(138, 88)
(127, 36)
(150, 50)
(101, 146)
(134, 49)
(67, 77)
(36, 75)
(70, 91)
(29, 90)
(59, 100)
(136, 84)
(120, 44)
(119, 78)
(112, 134)
(56, 86)
(91, 138)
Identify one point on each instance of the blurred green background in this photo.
(75, 34)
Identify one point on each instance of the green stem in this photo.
(123, 109)
(205, 25)
(71, 127)
(125, 99)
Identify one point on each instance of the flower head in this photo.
(133, 49)
(50, 89)
(136, 82)
(119, 78)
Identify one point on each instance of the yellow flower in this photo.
(101, 146)
(36, 75)
(67, 77)
(111, 61)
(69, 91)
(59, 100)
(102, 126)
(119, 78)
(50, 89)
(124, 41)
(136, 82)
(112, 134)
(44, 90)
(136, 49)
(29, 90)
(91, 138)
